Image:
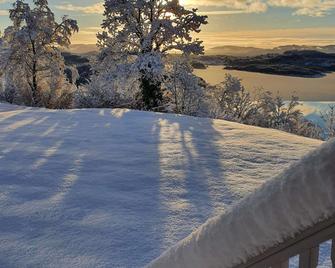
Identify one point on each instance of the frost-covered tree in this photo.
(7, 89)
(329, 120)
(97, 94)
(104, 91)
(3, 54)
(309, 129)
(142, 32)
(34, 40)
(184, 89)
(230, 100)
(111, 85)
(274, 112)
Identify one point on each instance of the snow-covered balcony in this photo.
(291, 215)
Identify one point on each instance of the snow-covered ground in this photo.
(115, 188)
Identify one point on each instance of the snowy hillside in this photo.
(115, 188)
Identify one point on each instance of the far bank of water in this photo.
(307, 89)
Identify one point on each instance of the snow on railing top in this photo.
(294, 201)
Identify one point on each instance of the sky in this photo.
(259, 23)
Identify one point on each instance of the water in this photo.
(315, 107)
(307, 89)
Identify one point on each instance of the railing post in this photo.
(309, 258)
(306, 245)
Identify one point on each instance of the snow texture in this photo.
(116, 188)
(300, 197)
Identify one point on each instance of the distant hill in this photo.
(297, 63)
(239, 51)
(82, 48)
(303, 63)
(82, 63)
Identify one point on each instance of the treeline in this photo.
(133, 68)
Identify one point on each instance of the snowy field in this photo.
(115, 188)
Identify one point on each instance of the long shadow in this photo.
(194, 187)
(105, 189)
(37, 171)
(118, 189)
(83, 185)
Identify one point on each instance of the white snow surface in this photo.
(300, 197)
(116, 188)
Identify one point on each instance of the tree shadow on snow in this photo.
(192, 175)
(104, 188)
(80, 186)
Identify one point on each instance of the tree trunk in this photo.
(34, 85)
(152, 96)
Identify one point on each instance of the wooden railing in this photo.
(305, 245)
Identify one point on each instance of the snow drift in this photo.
(298, 198)
(116, 188)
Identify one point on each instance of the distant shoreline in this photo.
(296, 63)
(320, 89)
(291, 74)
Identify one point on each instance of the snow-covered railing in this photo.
(305, 245)
(290, 215)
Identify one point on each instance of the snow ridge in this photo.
(300, 197)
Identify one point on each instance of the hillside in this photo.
(305, 63)
(115, 188)
(82, 48)
(239, 51)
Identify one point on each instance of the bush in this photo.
(230, 100)
(184, 90)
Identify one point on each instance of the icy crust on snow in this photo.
(116, 188)
(301, 196)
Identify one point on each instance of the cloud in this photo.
(97, 8)
(315, 8)
(234, 6)
(269, 38)
(223, 12)
(3, 12)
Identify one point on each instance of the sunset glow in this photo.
(261, 23)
